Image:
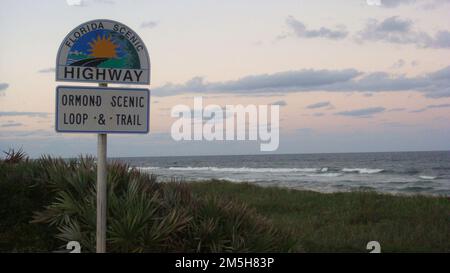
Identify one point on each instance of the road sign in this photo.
(103, 51)
(102, 110)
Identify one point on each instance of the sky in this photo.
(349, 76)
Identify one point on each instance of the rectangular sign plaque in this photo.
(102, 110)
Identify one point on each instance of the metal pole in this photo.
(101, 189)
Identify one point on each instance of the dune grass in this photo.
(345, 222)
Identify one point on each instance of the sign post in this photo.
(101, 192)
(102, 51)
(102, 174)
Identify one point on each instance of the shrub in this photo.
(147, 216)
(21, 193)
(230, 226)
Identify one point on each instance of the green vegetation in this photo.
(47, 202)
(345, 222)
(20, 195)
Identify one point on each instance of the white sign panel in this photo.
(103, 51)
(102, 110)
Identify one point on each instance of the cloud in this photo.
(394, 24)
(433, 4)
(395, 3)
(399, 63)
(438, 83)
(149, 24)
(300, 30)
(393, 29)
(47, 70)
(447, 105)
(365, 112)
(318, 114)
(381, 81)
(431, 106)
(280, 103)
(433, 85)
(430, 4)
(400, 31)
(396, 110)
(263, 83)
(27, 114)
(11, 124)
(442, 40)
(319, 105)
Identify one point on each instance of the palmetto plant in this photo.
(134, 206)
(13, 157)
(146, 216)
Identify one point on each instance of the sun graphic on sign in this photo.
(103, 47)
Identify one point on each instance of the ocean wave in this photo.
(322, 171)
(247, 170)
(236, 180)
(427, 177)
(147, 168)
(362, 170)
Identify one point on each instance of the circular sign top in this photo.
(103, 51)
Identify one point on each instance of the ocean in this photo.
(389, 172)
